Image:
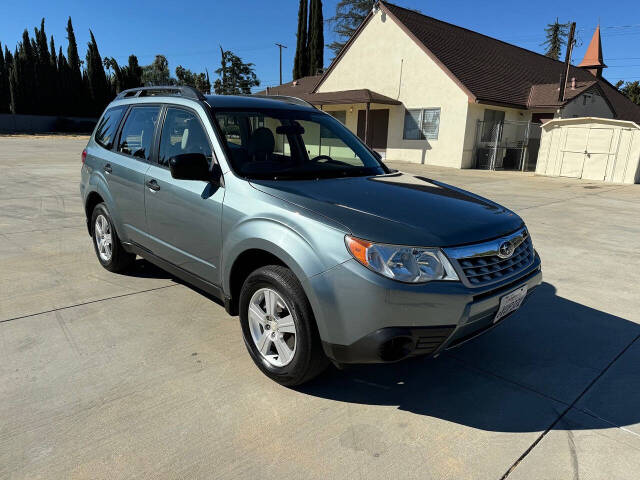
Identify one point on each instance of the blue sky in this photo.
(189, 32)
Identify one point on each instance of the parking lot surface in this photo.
(138, 375)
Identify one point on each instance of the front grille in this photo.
(481, 265)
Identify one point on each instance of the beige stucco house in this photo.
(421, 90)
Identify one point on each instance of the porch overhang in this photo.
(363, 95)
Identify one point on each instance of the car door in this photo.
(184, 216)
(125, 169)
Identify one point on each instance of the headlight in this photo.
(405, 264)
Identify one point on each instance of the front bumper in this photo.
(366, 318)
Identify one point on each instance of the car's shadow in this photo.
(538, 360)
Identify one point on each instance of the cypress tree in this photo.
(8, 66)
(64, 78)
(76, 89)
(45, 94)
(4, 84)
(301, 59)
(99, 87)
(54, 59)
(316, 38)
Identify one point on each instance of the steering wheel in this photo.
(322, 157)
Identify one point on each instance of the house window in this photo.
(491, 124)
(421, 124)
(340, 115)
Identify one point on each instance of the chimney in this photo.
(592, 60)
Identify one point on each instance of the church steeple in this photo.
(592, 60)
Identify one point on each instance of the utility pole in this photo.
(280, 46)
(565, 74)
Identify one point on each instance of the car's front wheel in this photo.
(279, 328)
(109, 250)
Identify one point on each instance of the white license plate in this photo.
(510, 302)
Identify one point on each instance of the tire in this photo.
(307, 359)
(116, 258)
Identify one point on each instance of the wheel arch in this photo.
(249, 253)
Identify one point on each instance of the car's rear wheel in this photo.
(279, 328)
(106, 243)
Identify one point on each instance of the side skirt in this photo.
(179, 272)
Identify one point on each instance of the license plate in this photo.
(510, 302)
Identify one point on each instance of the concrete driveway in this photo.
(128, 376)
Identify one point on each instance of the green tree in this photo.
(8, 66)
(5, 93)
(99, 88)
(76, 89)
(556, 37)
(301, 59)
(157, 73)
(65, 95)
(236, 77)
(348, 17)
(22, 80)
(45, 77)
(197, 80)
(316, 38)
(631, 90)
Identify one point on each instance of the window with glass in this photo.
(421, 124)
(341, 116)
(291, 144)
(491, 128)
(182, 133)
(136, 137)
(106, 129)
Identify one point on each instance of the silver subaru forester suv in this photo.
(287, 217)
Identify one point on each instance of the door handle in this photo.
(107, 168)
(153, 185)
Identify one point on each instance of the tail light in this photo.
(84, 155)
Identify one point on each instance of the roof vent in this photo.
(295, 83)
(573, 83)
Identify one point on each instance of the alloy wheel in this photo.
(272, 327)
(104, 240)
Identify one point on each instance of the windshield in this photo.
(291, 144)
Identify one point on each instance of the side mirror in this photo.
(190, 166)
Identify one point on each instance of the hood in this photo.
(399, 208)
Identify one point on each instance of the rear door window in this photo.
(137, 132)
(182, 133)
(106, 129)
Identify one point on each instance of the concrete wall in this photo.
(612, 146)
(384, 59)
(44, 123)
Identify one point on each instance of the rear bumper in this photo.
(390, 325)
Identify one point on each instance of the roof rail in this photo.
(183, 90)
(287, 99)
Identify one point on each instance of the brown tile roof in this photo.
(493, 71)
(303, 87)
(294, 88)
(546, 94)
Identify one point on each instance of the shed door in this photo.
(575, 146)
(586, 152)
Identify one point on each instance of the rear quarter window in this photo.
(106, 129)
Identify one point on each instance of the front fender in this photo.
(306, 255)
(299, 252)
